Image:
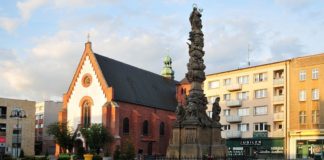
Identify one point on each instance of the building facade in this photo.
(46, 113)
(306, 109)
(15, 137)
(133, 104)
(253, 102)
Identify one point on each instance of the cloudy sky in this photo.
(42, 40)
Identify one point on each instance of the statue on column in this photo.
(216, 110)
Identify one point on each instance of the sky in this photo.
(42, 41)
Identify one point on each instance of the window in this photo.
(243, 127)
(260, 126)
(302, 95)
(226, 127)
(227, 82)
(227, 97)
(211, 99)
(213, 84)
(315, 94)
(161, 129)
(278, 108)
(2, 129)
(315, 116)
(86, 115)
(302, 75)
(260, 110)
(227, 112)
(261, 93)
(210, 114)
(41, 125)
(315, 73)
(145, 128)
(3, 112)
(36, 126)
(126, 125)
(260, 77)
(302, 117)
(243, 79)
(243, 112)
(243, 95)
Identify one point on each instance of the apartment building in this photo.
(306, 108)
(16, 131)
(253, 102)
(46, 113)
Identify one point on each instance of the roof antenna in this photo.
(248, 59)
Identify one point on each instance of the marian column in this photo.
(194, 134)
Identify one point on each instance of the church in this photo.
(133, 104)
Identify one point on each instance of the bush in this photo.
(28, 158)
(7, 157)
(96, 157)
(64, 157)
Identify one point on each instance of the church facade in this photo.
(133, 104)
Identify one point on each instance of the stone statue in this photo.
(195, 20)
(216, 110)
(179, 112)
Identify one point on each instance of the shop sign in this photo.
(251, 142)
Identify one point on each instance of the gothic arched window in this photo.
(126, 125)
(145, 128)
(86, 113)
(161, 128)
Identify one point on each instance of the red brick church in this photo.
(132, 103)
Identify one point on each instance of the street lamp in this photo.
(18, 114)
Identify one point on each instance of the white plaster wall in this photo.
(94, 91)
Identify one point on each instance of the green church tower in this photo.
(167, 69)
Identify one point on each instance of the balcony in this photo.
(278, 99)
(234, 87)
(233, 134)
(279, 116)
(233, 119)
(278, 81)
(278, 133)
(234, 103)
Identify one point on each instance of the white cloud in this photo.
(27, 7)
(8, 24)
(294, 5)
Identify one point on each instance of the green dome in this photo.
(167, 69)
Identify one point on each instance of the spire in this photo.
(88, 46)
(167, 71)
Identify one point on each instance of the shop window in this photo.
(161, 129)
(126, 126)
(145, 128)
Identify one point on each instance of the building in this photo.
(306, 108)
(273, 108)
(253, 102)
(132, 103)
(46, 114)
(14, 137)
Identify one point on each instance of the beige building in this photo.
(15, 137)
(253, 102)
(46, 113)
(272, 109)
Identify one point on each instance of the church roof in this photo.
(135, 85)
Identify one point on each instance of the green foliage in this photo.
(7, 157)
(117, 153)
(96, 137)
(64, 157)
(62, 135)
(128, 151)
(96, 157)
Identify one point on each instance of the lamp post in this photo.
(18, 114)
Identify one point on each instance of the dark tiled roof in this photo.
(138, 86)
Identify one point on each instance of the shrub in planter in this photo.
(64, 157)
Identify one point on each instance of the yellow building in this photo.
(253, 104)
(306, 120)
(272, 109)
(15, 137)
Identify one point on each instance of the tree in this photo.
(128, 150)
(96, 136)
(62, 135)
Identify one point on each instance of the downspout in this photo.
(286, 113)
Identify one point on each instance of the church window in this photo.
(86, 114)
(145, 128)
(126, 126)
(161, 128)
